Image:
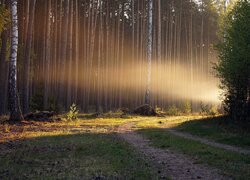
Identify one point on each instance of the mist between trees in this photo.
(93, 53)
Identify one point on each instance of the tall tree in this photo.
(149, 50)
(47, 55)
(15, 111)
(27, 54)
(4, 31)
(234, 65)
(63, 56)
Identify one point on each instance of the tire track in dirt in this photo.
(168, 164)
(208, 142)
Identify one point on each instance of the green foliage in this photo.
(159, 110)
(208, 109)
(186, 107)
(173, 111)
(4, 17)
(73, 112)
(213, 111)
(233, 68)
(204, 108)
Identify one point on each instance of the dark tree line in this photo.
(93, 52)
(234, 62)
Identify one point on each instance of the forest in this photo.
(152, 80)
(93, 53)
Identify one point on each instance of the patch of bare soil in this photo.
(209, 142)
(167, 163)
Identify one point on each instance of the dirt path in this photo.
(209, 142)
(167, 163)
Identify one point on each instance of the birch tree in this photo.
(14, 107)
(149, 50)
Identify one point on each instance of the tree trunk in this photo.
(149, 50)
(159, 52)
(4, 39)
(15, 111)
(47, 57)
(62, 83)
(26, 72)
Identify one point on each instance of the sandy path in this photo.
(208, 142)
(167, 163)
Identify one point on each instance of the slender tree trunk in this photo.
(76, 52)
(159, 52)
(149, 50)
(14, 106)
(69, 57)
(26, 72)
(63, 56)
(3, 77)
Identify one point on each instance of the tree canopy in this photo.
(234, 60)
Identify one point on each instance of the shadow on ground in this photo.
(88, 156)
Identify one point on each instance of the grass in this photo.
(86, 149)
(231, 164)
(217, 129)
(72, 157)
(89, 148)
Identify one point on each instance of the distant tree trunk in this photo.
(62, 83)
(26, 72)
(69, 57)
(15, 111)
(3, 71)
(4, 65)
(149, 50)
(47, 57)
(201, 39)
(159, 51)
(76, 52)
(107, 56)
(99, 61)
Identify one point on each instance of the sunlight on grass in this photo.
(85, 124)
(30, 129)
(166, 122)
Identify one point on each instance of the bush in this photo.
(207, 109)
(173, 111)
(186, 107)
(204, 108)
(73, 112)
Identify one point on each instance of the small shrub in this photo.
(158, 110)
(6, 128)
(206, 109)
(213, 111)
(173, 111)
(186, 107)
(73, 112)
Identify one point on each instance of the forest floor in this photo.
(127, 147)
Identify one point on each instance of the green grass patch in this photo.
(230, 163)
(217, 129)
(78, 156)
